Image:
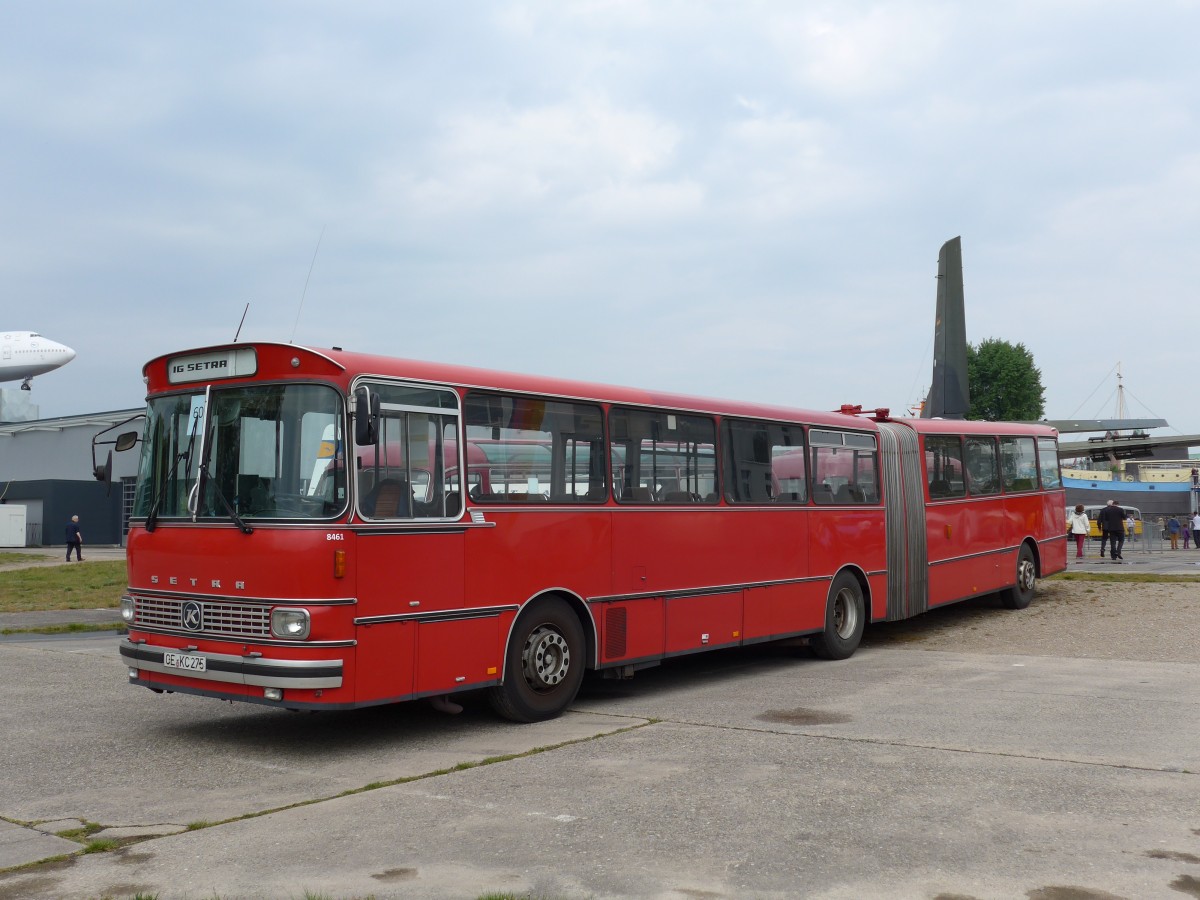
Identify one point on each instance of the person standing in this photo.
(1080, 526)
(1173, 532)
(74, 539)
(1196, 529)
(1185, 530)
(1131, 528)
(1103, 531)
(1112, 526)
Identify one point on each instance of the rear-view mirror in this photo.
(366, 417)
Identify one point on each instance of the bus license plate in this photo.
(185, 661)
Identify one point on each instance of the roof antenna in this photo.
(305, 291)
(241, 323)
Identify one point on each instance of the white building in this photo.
(46, 467)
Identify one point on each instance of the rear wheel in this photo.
(1020, 594)
(543, 664)
(845, 618)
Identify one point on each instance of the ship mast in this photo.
(1120, 394)
(1114, 465)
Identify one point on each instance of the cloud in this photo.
(779, 167)
(556, 152)
(853, 51)
(733, 200)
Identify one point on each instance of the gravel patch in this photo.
(1084, 619)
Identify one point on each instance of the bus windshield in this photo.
(272, 451)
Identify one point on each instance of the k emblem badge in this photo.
(192, 619)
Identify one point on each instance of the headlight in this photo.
(127, 609)
(288, 623)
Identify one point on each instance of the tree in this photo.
(1005, 385)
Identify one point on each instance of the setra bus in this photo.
(314, 529)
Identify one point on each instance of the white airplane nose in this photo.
(69, 353)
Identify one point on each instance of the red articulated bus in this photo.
(321, 529)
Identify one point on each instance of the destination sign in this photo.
(236, 363)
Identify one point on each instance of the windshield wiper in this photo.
(206, 475)
(152, 516)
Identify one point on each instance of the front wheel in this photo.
(845, 618)
(1020, 594)
(543, 664)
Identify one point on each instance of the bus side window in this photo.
(844, 467)
(764, 463)
(537, 450)
(983, 476)
(1048, 463)
(662, 457)
(1018, 458)
(944, 466)
(412, 467)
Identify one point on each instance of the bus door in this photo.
(961, 533)
(904, 496)
(414, 634)
(670, 548)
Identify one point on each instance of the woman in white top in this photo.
(1080, 528)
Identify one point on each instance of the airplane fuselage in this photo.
(24, 354)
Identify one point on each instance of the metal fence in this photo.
(1153, 539)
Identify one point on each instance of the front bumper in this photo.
(256, 670)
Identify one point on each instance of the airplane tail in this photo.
(949, 395)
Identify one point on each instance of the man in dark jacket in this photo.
(1112, 528)
(74, 539)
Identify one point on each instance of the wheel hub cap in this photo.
(1027, 576)
(845, 614)
(546, 659)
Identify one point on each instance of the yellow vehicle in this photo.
(1094, 511)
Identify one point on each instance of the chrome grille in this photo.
(240, 619)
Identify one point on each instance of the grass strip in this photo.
(9, 559)
(86, 585)
(67, 628)
(80, 834)
(1125, 577)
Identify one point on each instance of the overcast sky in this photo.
(734, 200)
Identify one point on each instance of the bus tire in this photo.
(543, 663)
(845, 618)
(1020, 594)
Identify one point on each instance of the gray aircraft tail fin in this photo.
(949, 394)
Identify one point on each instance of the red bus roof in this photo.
(963, 426)
(274, 360)
(466, 376)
